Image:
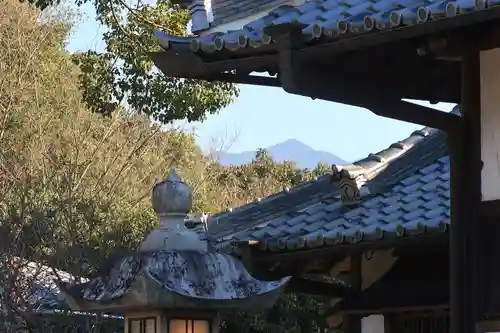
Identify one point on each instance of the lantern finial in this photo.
(172, 199)
(172, 196)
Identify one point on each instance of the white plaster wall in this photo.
(372, 324)
(490, 124)
(238, 24)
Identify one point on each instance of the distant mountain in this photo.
(290, 150)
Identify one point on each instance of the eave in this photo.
(415, 242)
(426, 66)
(417, 282)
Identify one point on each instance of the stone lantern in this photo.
(173, 283)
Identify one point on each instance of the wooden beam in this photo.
(189, 65)
(399, 309)
(490, 208)
(465, 159)
(309, 79)
(186, 65)
(355, 274)
(363, 42)
(245, 79)
(352, 321)
(319, 288)
(248, 64)
(389, 326)
(488, 326)
(345, 249)
(452, 45)
(417, 114)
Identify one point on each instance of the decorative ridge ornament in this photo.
(172, 196)
(173, 276)
(172, 199)
(351, 179)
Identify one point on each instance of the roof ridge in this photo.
(368, 168)
(285, 191)
(369, 165)
(377, 160)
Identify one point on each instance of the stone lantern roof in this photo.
(173, 269)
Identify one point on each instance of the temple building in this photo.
(373, 236)
(405, 215)
(379, 225)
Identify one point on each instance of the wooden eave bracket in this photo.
(244, 79)
(417, 114)
(294, 80)
(320, 288)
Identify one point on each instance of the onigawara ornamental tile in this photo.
(407, 195)
(327, 20)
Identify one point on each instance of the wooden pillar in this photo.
(465, 153)
(389, 323)
(353, 321)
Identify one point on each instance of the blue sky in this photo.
(264, 116)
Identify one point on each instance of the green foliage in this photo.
(75, 187)
(236, 185)
(124, 73)
(293, 313)
(97, 79)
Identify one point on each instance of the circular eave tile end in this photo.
(400, 230)
(266, 39)
(443, 226)
(340, 238)
(479, 4)
(242, 41)
(369, 23)
(317, 31)
(423, 15)
(194, 45)
(342, 27)
(395, 19)
(219, 43)
(359, 236)
(451, 9)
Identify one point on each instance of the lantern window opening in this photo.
(142, 325)
(189, 325)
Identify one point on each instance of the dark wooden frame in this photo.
(210, 322)
(142, 321)
(304, 70)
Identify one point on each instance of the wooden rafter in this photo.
(320, 288)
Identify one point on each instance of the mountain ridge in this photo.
(290, 150)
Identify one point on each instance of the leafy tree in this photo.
(124, 74)
(75, 187)
(293, 313)
(321, 169)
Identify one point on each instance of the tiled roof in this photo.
(327, 21)
(409, 194)
(230, 10)
(41, 293)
